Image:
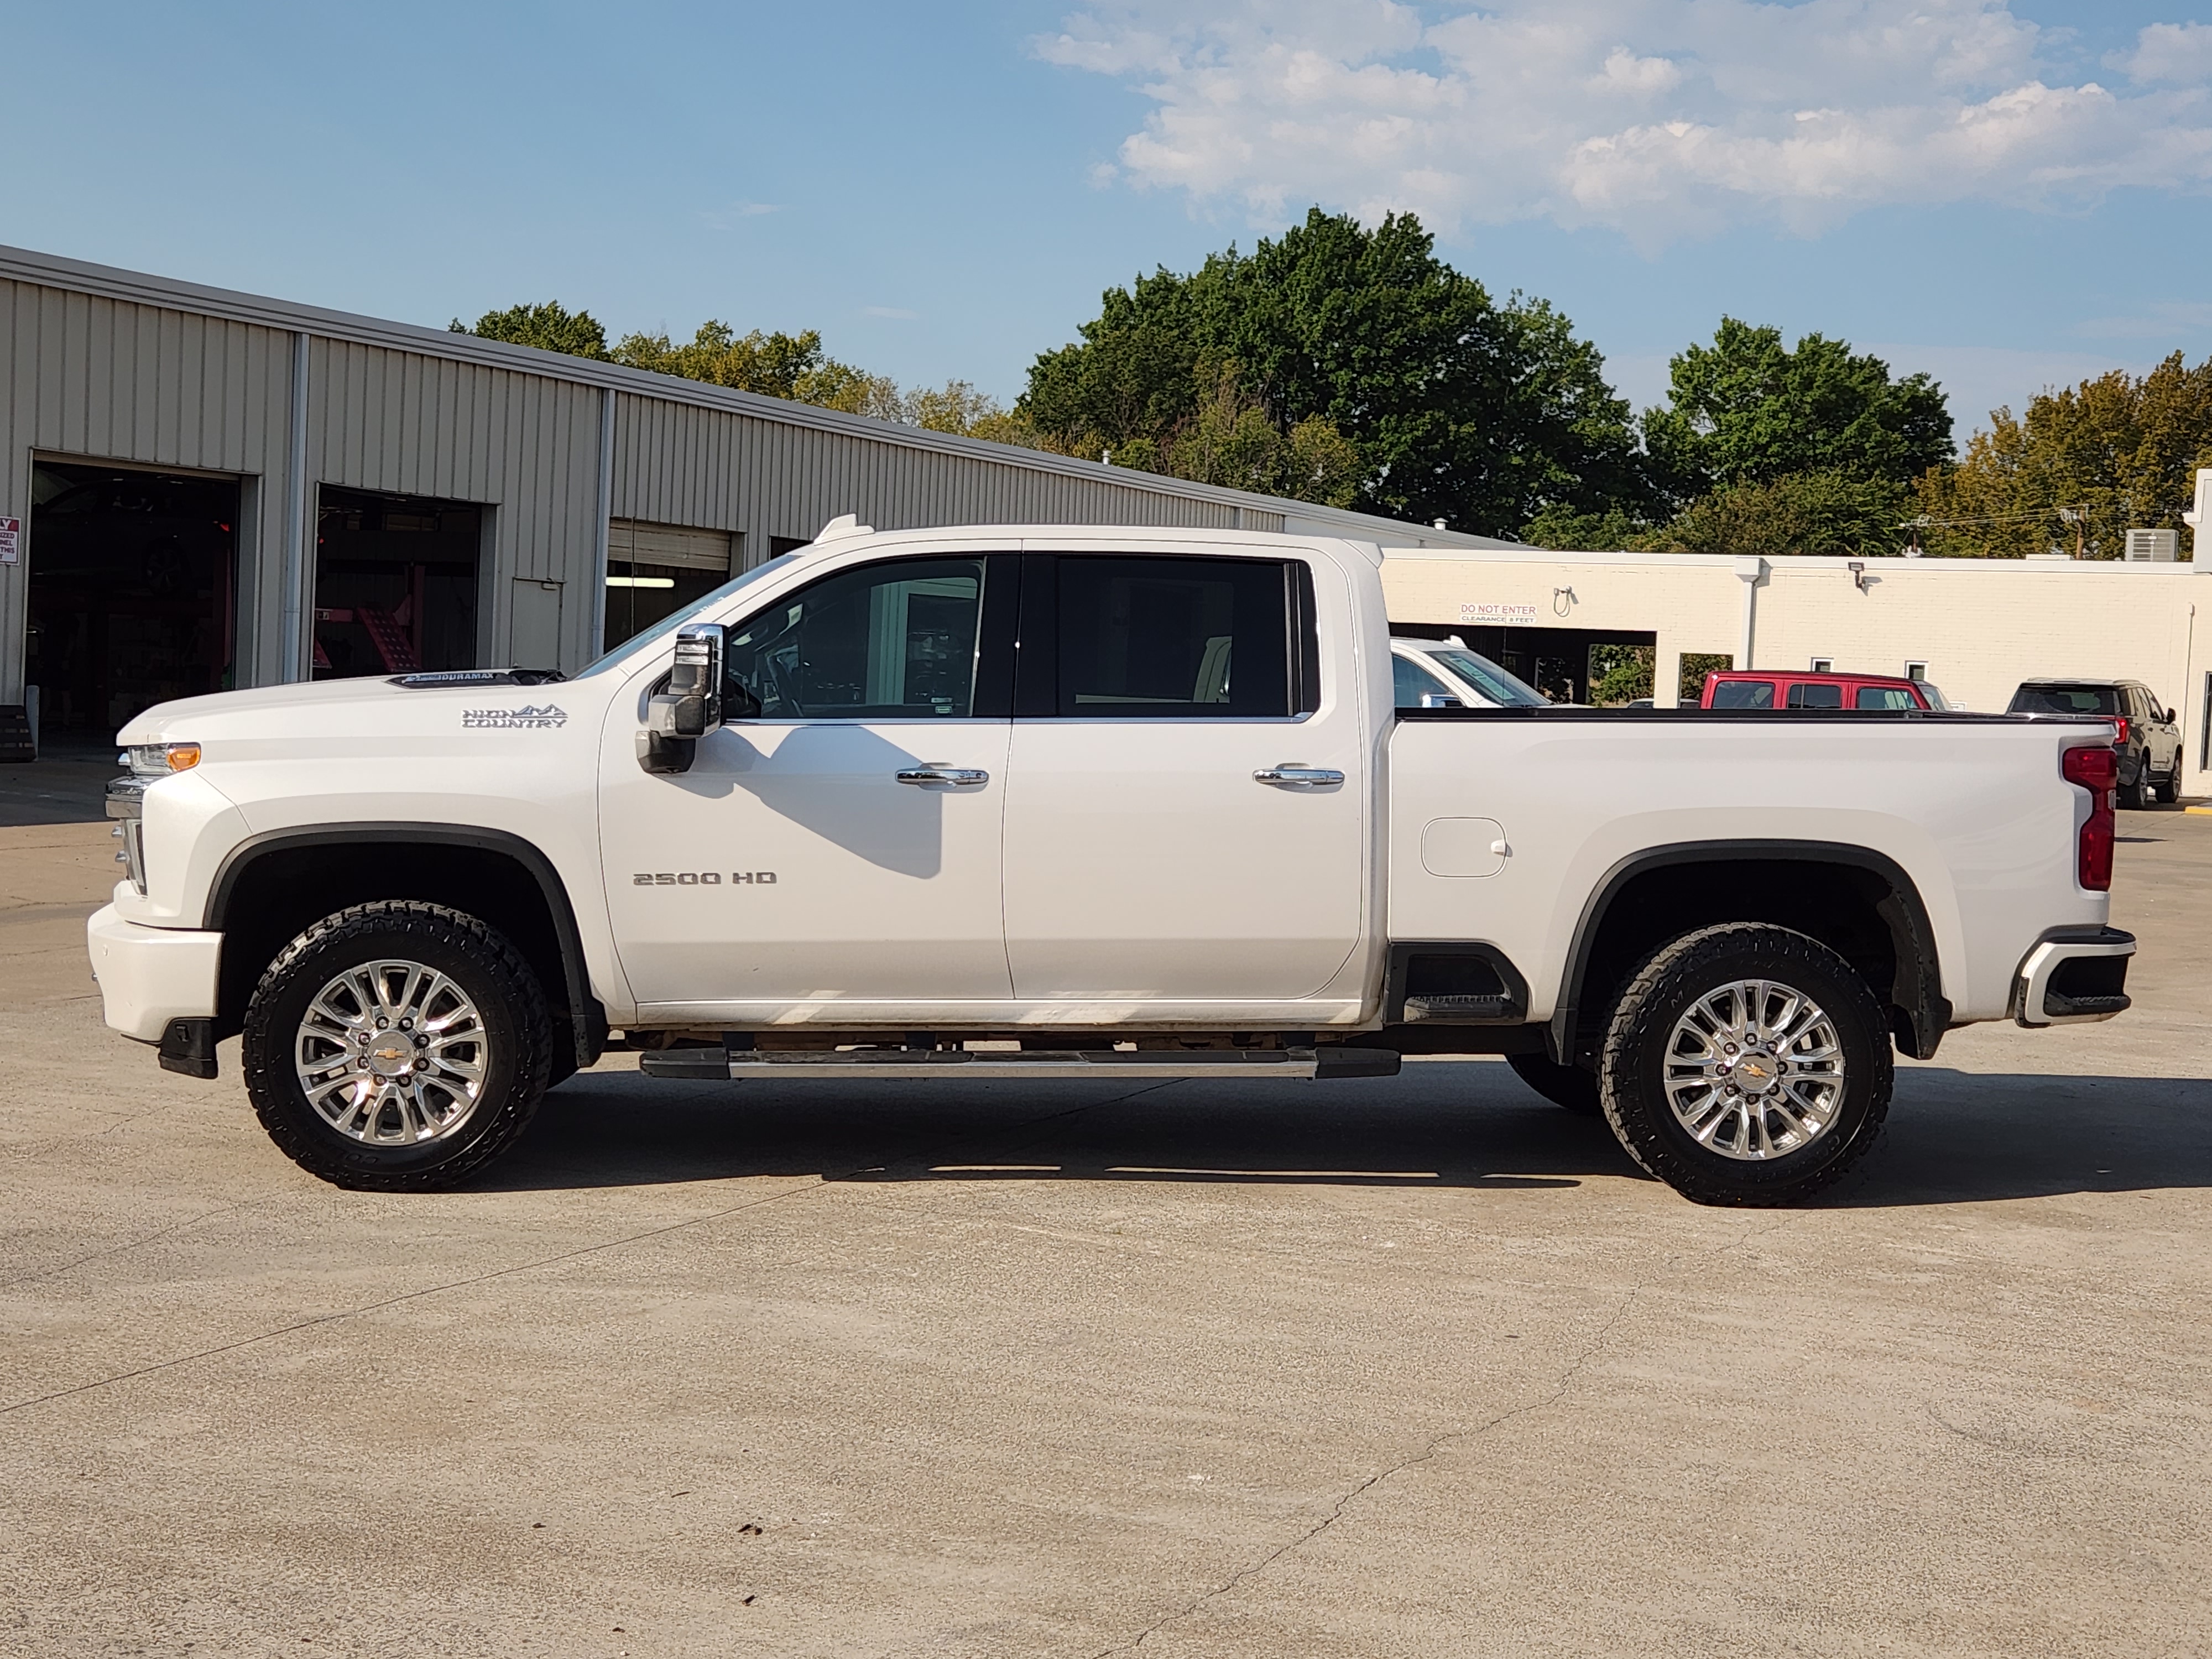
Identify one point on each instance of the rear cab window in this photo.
(2065, 700)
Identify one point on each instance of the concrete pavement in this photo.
(1412, 1366)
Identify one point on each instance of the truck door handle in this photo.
(1296, 777)
(958, 775)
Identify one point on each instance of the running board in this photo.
(717, 1064)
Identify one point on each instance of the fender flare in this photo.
(582, 1007)
(1917, 990)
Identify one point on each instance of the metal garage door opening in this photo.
(133, 592)
(655, 570)
(1555, 660)
(396, 583)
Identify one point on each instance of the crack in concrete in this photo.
(378, 1306)
(119, 1249)
(1559, 1391)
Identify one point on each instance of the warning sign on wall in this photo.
(11, 539)
(1490, 615)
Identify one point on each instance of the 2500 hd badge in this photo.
(704, 878)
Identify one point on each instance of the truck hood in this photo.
(349, 707)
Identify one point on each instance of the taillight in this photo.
(2120, 729)
(2095, 767)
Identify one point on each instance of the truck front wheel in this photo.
(396, 1046)
(1747, 1065)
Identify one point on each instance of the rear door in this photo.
(1187, 804)
(2162, 737)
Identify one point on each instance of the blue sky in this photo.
(2005, 194)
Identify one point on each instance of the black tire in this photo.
(479, 960)
(1663, 991)
(2167, 790)
(2137, 796)
(1569, 1086)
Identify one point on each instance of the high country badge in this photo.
(530, 717)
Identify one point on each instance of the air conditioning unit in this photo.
(2154, 546)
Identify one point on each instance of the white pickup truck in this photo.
(1048, 802)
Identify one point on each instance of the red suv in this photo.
(1751, 688)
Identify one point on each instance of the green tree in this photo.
(777, 365)
(1457, 407)
(1826, 512)
(2083, 465)
(1231, 438)
(1620, 673)
(1748, 410)
(1568, 530)
(550, 326)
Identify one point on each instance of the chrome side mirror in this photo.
(692, 705)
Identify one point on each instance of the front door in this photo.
(1148, 861)
(835, 857)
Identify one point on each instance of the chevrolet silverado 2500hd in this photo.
(1054, 802)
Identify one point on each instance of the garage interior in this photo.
(397, 583)
(1555, 660)
(133, 592)
(654, 570)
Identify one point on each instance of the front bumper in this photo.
(150, 976)
(2074, 976)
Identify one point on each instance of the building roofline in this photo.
(1883, 563)
(139, 287)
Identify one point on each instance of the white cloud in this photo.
(728, 218)
(1658, 118)
(2178, 53)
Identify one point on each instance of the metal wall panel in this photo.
(106, 366)
(87, 378)
(677, 462)
(525, 445)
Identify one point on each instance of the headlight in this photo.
(158, 760)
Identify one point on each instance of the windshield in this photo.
(1487, 678)
(615, 656)
(2065, 700)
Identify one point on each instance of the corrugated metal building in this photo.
(200, 489)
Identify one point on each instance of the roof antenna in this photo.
(844, 524)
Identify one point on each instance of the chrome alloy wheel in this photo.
(392, 1054)
(1756, 1070)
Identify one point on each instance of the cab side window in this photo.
(1164, 638)
(1410, 681)
(1816, 696)
(1884, 696)
(1744, 693)
(893, 640)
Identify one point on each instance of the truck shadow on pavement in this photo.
(1953, 1137)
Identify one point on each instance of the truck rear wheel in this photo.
(2168, 788)
(1747, 1065)
(396, 1046)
